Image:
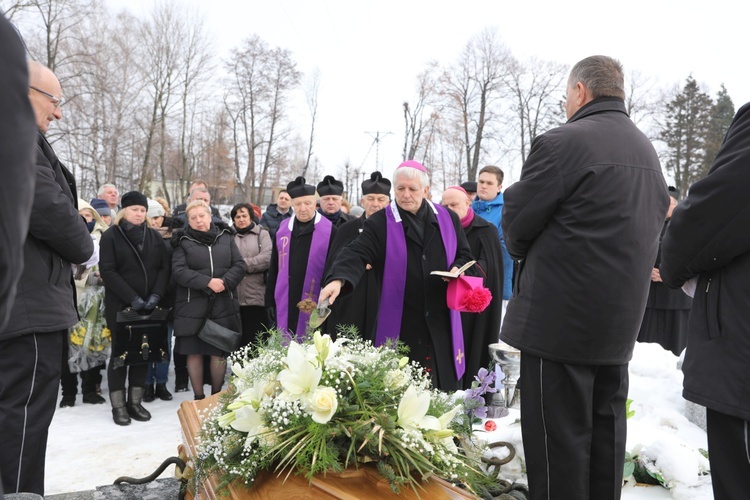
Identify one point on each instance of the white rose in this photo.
(395, 379)
(323, 403)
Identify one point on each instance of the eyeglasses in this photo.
(57, 101)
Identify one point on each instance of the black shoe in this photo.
(119, 412)
(93, 399)
(148, 394)
(120, 416)
(162, 392)
(135, 409)
(67, 401)
(199, 397)
(181, 383)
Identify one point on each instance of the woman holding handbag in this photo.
(135, 269)
(207, 267)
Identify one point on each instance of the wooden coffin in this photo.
(363, 483)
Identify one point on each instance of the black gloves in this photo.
(152, 302)
(271, 312)
(138, 303)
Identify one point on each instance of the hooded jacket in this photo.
(492, 212)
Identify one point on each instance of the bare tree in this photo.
(262, 79)
(535, 89)
(471, 87)
(420, 118)
(311, 93)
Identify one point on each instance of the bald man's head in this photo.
(45, 95)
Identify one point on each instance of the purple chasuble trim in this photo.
(316, 260)
(394, 281)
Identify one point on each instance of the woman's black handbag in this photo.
(216, 335)
(140, 338)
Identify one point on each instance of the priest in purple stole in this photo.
(298, 261)
(404, 243)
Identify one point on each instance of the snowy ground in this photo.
(86, 449)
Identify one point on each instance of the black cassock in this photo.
(482, 329)
(360, 307)
(299, 251)
(425, 324)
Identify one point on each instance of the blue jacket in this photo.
(492, 212)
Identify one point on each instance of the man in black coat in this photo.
(17, 131)
(330, 191)
(360, 308)
(298, 261)
(404, 243)
(276, 213)
(708, 241)
(584, 222)
(480, 329)
(45, 306)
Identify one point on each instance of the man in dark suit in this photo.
(583, 222)
(45, 308)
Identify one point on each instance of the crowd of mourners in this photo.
(583, 255)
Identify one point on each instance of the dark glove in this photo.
(271, 312)
(138, 303)
(152, 302)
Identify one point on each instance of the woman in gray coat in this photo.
(254, 244)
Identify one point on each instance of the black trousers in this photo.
(574, 429)
(69, 380)
(254, 321)
(729, 455)
(28, 396)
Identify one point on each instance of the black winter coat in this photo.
(584, 220)
(45, 297)
(193, 265)
(708, 237)
(425, 324)
(271, 219)
(127, 272)
(18, 135)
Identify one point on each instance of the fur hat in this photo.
(134, 198)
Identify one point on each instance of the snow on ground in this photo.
(86, 449)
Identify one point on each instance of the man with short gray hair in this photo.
(583, 222)
(109, 193)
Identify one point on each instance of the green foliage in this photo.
(266, 422)
(628, 412)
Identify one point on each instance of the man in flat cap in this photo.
(298, 261)
(360, 308)
(330, 191)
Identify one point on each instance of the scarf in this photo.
(394, 281)
(206, 237)
(244, 230)
(334, 218)
(135, 234)
(466, 221)
(316, 261)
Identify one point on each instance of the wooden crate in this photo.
(363, 483)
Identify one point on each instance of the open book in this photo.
(458, 273)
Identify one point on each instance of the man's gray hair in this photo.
(105, 186)
(412, 173)
(601, 75)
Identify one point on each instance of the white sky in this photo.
(369, 53)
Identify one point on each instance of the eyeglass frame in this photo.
(57, 101)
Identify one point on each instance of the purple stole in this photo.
(394, 281)
(316, 261)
